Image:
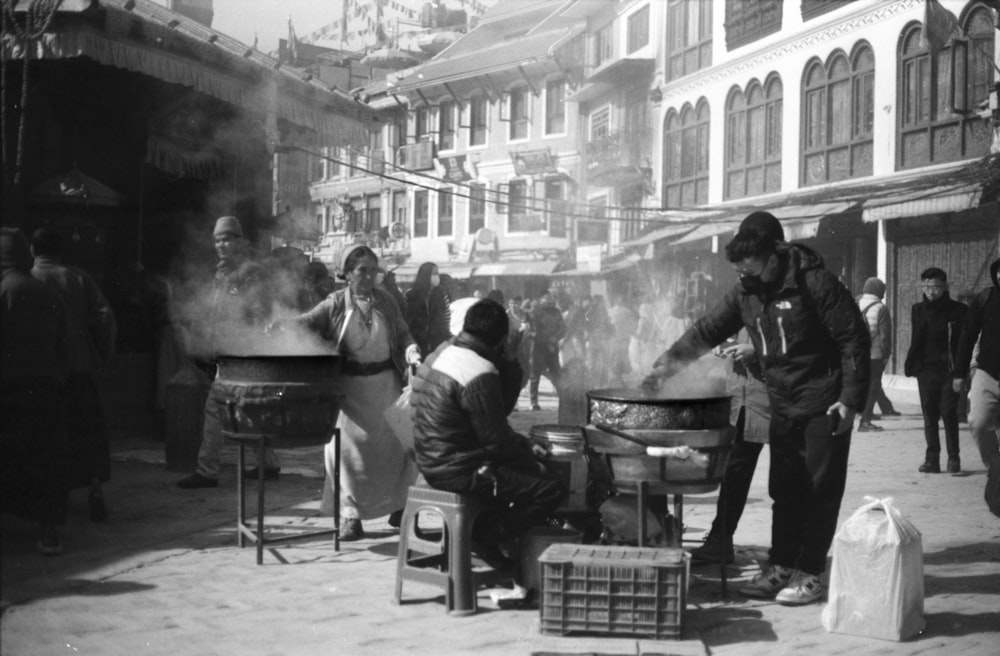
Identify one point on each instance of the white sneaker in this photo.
(801, 590)
(770, 580)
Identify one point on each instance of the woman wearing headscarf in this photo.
(368, 331)
(427, 310)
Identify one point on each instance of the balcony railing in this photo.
(619, 157)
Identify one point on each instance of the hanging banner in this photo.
(453, 168)
(533, 162)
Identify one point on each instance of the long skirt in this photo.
(375, 471)
(86, 433)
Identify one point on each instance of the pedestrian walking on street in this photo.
(238, 306)
(982, 324)
(548, 330)
(936, 323)
(90, 344)
(876, 316)
(34, 457)
(428, 315)
(813, 348)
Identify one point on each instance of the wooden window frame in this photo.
(694, 184)
(688, 42)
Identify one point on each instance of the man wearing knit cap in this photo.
(876, 316)
(239, 306)
(813, 349)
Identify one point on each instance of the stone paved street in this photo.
(164, 574)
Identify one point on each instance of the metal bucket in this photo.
(568, 460)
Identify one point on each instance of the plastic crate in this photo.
(634, 591)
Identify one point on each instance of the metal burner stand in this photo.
(260, 441)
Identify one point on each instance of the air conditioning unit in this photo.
(417, 156)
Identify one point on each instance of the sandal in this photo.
(98, 510)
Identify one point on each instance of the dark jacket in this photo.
(429, 317)
(33, 330)
(459, 419)
(982, 322)
(810, 338)
(936, 328)
(549, 327)
(91, 321)
(330, 317)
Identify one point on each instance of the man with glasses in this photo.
(936, 325)
(814, 350)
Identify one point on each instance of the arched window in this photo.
(936, 108)
(685, 156)
(753, 140)
(838, 112)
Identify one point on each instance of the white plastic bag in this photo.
(877, 580)
(399, 416)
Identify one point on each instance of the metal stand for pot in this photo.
(261, 441)
(675, 522)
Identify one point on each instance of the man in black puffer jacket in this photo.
(936, 323)
(463, 442)
(814, 349)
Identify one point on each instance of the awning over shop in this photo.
(619, 264)
(178, 50)
(802, 221)
(408, 272)
(524, 268)
(918, 202)
(660, 233)
(708, 230)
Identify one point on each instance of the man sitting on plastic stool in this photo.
(464, 444)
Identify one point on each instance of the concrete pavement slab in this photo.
(164, 574)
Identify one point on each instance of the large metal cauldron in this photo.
(294, 399)
(624, 423)
(628, 409)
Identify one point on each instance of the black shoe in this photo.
(711, 552)
(892, 413)
(351, 530)
(930, 467)
(396, 518)
(954, 465)
(49, 543)
(867, 426)
(196, 481)
(98, 510)
(270, 473)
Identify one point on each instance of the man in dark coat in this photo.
(982, 324)
(91, 342)
(239, 306)
(463, 442)
(33, 356)
(936, 325)
(548, 328)
(813, 347)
